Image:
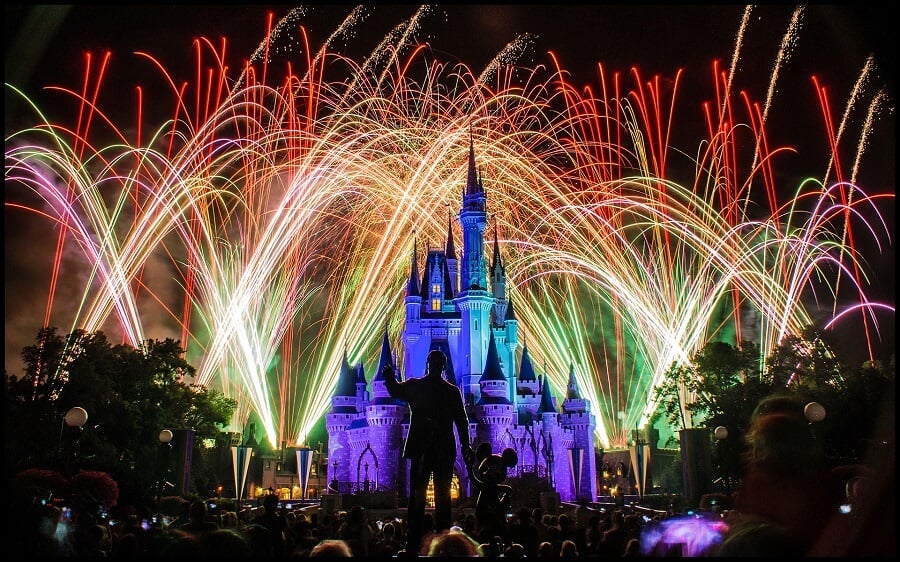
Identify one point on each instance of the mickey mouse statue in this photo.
(494, 500)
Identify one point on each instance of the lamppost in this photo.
(814, 413)
(721, 434)
(165, 441)
(76, 417)
(333, 486)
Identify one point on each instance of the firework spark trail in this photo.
(302, 233)
(735, 57)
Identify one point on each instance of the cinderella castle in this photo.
(460, 306)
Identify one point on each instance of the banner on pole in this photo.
(575, 456)
(640, 462)
(304, 467)
(240, 458)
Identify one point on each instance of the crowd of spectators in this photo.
(790, 504)
(273, 532)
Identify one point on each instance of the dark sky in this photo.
(44, 46)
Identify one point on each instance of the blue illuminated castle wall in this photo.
(461, 307)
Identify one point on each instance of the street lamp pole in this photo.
(165, 440)
(76, 417)
(721, 434)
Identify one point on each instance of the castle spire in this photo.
(572, 389)
(472, 182)
(546, 397)
(497, 263)
(526, 370)
(450, 250)
(412, 287)
(386, 357)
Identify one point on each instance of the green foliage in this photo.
(722, 385)
(130, 395)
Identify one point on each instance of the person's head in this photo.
(270, 502)
(229, 519)
(524, 515)
(779, 434)
(436, 362)
(226, 543)
(568, 549)
(514, 550)
(453, 543)
(356, 514)
(331, 548)
(198, 510)
(759, 539)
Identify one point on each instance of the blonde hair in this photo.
(453, 543)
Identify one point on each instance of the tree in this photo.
(699, 391)
(130, 395)
(722, 386)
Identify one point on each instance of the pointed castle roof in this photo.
(346, 384)
(572, 391)
(526, 369)
(412, 286)
(450, 250)
(546, 406)
(492, 369)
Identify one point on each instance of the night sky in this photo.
(44, 47)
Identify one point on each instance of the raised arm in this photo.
(394, 388)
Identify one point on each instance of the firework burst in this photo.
(272, 219)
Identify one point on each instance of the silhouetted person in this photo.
(277, 525)
(199, 522)
(356, 531)
(787, 481)
(435, 406)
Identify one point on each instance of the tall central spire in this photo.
(472, 184)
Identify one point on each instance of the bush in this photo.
(90, 490)
(41, 482)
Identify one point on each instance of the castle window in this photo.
(436, 289)
(435, 304)
(476, 325)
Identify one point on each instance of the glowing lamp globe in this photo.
(165, 436)
(720, 432)
(76, 417)
(814, 412)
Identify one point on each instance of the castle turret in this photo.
(384, 416)
(528, 389)
(493, 411)
(337, 421)
(577, 418)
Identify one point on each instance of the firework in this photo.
(271, 217)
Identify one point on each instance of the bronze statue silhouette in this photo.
(435, 405)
